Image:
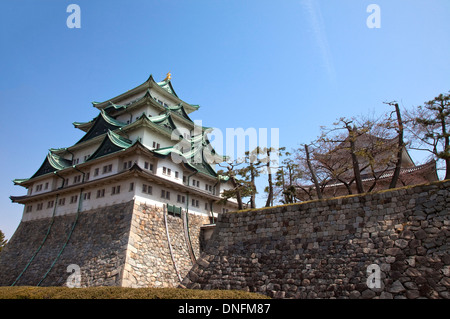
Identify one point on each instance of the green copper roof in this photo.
(164, 122)
(112, 143)
(179, 109)
(166, 151)
(167, 85)
(19, 181)
(52, 163)
(115, 106)
(84, 126)
(102, 123)
(195, 157)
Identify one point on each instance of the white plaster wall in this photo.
(89, 150)
(149, 136)
(166, 162)
(162, 98)
(130, 98)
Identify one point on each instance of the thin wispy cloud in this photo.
(318, 28)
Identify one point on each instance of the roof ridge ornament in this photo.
(168, 77)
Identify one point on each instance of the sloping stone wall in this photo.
(150, 262)
(119, 245)
(97, 245)
(323, 249)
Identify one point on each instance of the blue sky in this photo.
(292, 65)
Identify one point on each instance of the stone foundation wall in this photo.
(149, 260)
(119, 245)
(97, 245)
(323, 249)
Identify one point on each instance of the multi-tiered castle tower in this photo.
(126, 203)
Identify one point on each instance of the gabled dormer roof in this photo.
(179, 110)
(200, 156)
(167, 85)
(51, 164)
(112, 143)
(164, 120)
(162, 123)
(84, 126)
(101, 124)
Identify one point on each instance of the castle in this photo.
(133, 201)
(141, 156)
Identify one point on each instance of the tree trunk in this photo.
(401, 145)
(355, 163)
(252, 180)
(269, 172)
(313, 173)
(238, 193)
(446, 140)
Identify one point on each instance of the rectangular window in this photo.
(115, 190)
(164, 170)
(39, 206)
(29, 209)
(50, 204)
(62, 202)
(73, 199)
(107, 168)
(87, 196)
(96, 171)
(127, 165)
(101, 193)
(206, 206)
(131, 187)
(165, 194)
(146, 165)
(46, 185)
(177, 175)
(181, 199)
(147, 189)
(87, 176)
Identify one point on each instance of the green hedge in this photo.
(24, 292)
